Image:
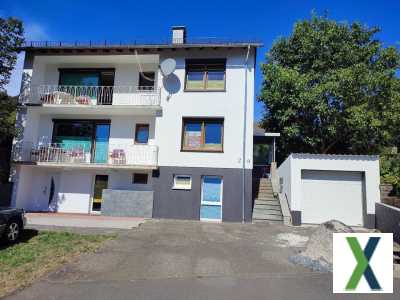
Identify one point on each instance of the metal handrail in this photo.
(112, 154)
(136, 42)
(94, 95)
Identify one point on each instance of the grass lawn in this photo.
(40, 252)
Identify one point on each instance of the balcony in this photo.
(94, 99)
(112, 156)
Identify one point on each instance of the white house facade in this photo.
(102, 129)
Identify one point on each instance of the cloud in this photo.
(35, 32)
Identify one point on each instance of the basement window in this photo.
(182, 182)
(140, 178)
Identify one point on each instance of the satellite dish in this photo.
(168, 66)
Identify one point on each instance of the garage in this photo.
(328, 195)
(316, 188)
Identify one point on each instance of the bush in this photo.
(390, 171)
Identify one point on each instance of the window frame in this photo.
(175, 187)
(203, 121)
(204, 66)
(134, 175)
(137, 126)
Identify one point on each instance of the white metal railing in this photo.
(94, 95)
(111, 154)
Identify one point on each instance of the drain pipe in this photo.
(244, 135)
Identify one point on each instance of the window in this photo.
(146, 81)
(202, 135)
(142, 133)
(205, 75)
(86, 77)
(70, 79)
(140, 178)
(182, 182)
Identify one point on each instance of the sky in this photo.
(151, 20)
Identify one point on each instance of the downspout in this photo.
(244, 135)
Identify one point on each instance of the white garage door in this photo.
(330, 195)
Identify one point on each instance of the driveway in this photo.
(193, 260)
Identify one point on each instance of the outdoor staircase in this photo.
(266, 205)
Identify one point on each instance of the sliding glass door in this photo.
(84, 141)
(88, 84)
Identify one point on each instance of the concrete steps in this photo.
(266, 206)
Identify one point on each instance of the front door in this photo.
(100, 183)
(211, 198)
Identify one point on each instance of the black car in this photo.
(12, 222)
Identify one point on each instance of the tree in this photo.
(8, 107)
(11, 38)
(331, 88)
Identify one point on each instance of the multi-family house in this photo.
(159, 130)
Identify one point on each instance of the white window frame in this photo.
(212, 203)
(177, 187)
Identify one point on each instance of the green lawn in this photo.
(40, 252)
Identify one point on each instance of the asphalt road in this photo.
(193, 260)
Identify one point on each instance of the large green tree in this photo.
(331, 88)
(11, 38)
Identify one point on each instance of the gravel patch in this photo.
(318, 253)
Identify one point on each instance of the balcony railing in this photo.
(113, 154)
(94, 95)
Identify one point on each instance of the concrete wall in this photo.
(185, 204)
(388, 219)
(284, 173)
(123, 203)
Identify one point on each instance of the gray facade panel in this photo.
(388, 220)
(125, 203)
(185, 204)
(369, 221)
(296, 217)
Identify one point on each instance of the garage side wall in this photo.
(285, 173)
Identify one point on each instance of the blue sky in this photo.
(126, 20)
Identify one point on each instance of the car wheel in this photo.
(12, 232)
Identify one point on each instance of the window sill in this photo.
(202, 151)
(181, 188)
(204, 90)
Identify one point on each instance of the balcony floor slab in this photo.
(92, 166)
(120, 110)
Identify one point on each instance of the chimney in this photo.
(178, 34)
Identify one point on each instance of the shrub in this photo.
(390, 171)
